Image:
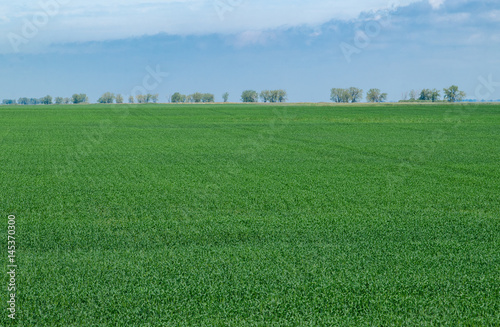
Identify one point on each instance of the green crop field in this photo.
(252, 215)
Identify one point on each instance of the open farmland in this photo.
(253, 215)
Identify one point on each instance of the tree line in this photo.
(109, 97)
(338, 95)
(193, 98)
(75, 99)
(354, 94)
(265, 96)
(451, 94)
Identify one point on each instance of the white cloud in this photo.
(253, 37)
(436, 3)
(33, 26)
(493, 16)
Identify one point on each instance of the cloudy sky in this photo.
(61, 47)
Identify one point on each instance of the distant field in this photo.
(244, 215)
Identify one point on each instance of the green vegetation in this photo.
(80, 98)
(453, 94)
(146, 98)
(250, 96)
(338, 95)
(273, 96)
(196, 97)
(248, 215)
(430, 95)
(119, 98)
(178, 98)
(352, 94)
(8, 101)
(375, 95)
(107, 97)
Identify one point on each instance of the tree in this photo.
(59, 100)
(84, 98)
(23, 101)
(46, 99)
(131, 99)
(119, 98)
(178, 98)
(274, 96)
(154, 98)
(67, 101)
(425, 95)
(374, 95)
(107, 97)
(435, 95)
(34, 101)
(249, 96)
(146, 98)
(452, 94)
(200, 97)
(208, 97)
(281, 96)
(225, 97)
(336, 95)
(346, 97)
(355, 94)
(265, 96)
(197, 97)
(79, 98)
(8, 101)
(340, 95)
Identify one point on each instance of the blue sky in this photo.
(61, 47)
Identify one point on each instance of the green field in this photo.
(252, 215)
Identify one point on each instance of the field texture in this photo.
(252, 215)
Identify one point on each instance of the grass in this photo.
(241, 215)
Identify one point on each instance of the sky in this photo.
(62, 47)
